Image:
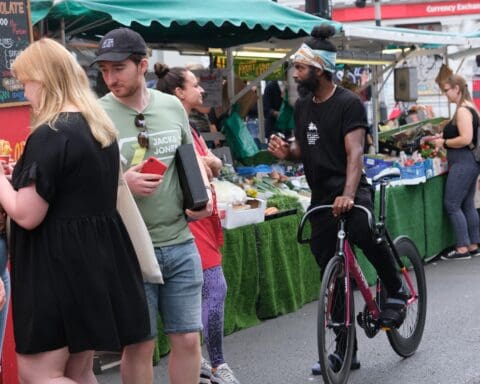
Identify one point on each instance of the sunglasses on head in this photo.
(142, 136)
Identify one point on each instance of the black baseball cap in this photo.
(119, 44)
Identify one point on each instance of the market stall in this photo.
(268, 273)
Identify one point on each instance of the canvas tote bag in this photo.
(138, 232)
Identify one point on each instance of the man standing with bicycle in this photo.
(330, 125)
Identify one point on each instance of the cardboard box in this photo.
(412, 171)
(440, 166)
(233, 218)
(428, 164)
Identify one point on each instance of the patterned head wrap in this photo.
(316, 58)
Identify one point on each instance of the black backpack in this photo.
(475, 148)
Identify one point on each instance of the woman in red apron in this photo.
(207, 233)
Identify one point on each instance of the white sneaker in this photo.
(205, 372)
(223, 375)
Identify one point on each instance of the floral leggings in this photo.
(213, 302)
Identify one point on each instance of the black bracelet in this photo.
(445, 144)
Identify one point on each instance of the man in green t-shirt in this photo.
(151, 123)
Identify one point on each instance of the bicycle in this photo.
(337, 279)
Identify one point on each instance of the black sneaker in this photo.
(475, 252)
(335, 361)
(454, 255)
(395, 308)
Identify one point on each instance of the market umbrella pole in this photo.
(375, 106)
(378, 13)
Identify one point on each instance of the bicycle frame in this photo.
(352, 268)
(355, 271)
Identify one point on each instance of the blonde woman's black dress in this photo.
(76, 281)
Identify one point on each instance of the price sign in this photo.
(15, 36)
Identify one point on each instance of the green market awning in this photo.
(39, 9)
(208, 23)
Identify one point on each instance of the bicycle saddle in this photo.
(387, 173)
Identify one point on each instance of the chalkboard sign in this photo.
(15, 36)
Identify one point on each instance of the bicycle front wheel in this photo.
(335, 338)
(407, 337)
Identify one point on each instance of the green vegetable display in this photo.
(284, 202)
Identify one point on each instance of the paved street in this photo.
(281, 350)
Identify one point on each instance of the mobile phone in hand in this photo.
(155, 166)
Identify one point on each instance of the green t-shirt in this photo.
(168, 128)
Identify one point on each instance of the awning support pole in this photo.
(446, 63)
(375, 107)
(230, 74)
(261, 117)
(378, 13)
(62, 32)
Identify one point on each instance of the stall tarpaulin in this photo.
(39, 9)
(208, 23)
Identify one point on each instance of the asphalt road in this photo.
(281, 350)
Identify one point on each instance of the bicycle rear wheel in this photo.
(333, 335)
(407, 337)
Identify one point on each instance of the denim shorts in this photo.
(179, 299)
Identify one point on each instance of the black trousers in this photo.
(324, 240)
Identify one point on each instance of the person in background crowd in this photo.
(272, 101)
(76, 282)
(463, 171)
(152, 123)
(207, 232)
(330, 126)
(4, 275)
(200, 115)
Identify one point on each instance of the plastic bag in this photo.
(285, 121)
(237, 135)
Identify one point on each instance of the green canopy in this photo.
(209, 23)
(473, 34)
(39, 9)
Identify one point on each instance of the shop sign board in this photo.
(249, 68)
(476, 91)
(427, 70)
(408, 10)
(15, 36)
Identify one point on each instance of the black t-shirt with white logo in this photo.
(320, 130)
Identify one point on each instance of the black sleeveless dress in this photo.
(76, 281)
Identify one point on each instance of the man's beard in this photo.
(125, 91)
(309, 85)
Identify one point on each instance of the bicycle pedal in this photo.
(360, 320)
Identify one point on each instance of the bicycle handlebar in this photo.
(317, 208)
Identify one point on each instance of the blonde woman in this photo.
(76, 283)
(457, 136)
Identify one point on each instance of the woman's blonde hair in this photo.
(63, 81)
(465, 96)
